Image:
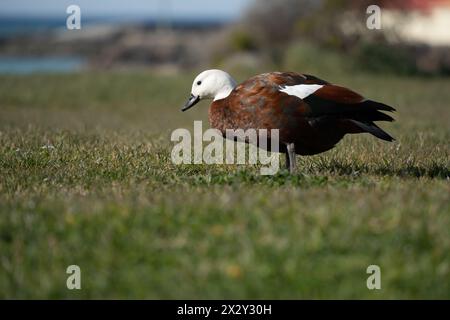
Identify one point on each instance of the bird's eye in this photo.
(199, 83)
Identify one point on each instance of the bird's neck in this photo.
(225, 91)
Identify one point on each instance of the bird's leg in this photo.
(288, 165)
(290, 157)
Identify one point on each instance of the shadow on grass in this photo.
(314, 176)
(435, 171)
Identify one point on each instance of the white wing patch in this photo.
(301, 90)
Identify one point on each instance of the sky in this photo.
(191, 9)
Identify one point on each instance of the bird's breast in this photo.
(222, 116)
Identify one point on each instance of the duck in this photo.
(311, 114)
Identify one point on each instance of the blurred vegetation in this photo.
(242, 41)
(383, 58)
(272, 28)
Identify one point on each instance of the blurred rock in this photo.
(134, 46)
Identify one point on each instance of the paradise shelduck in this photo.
(312, 115)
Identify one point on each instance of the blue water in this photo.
(26, 65)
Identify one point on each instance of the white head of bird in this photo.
(210, 84)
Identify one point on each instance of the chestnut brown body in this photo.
(314, 123)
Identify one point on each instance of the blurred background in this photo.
(176, 35)
(86, 176)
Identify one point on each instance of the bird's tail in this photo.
(371, 112)
(373, 129)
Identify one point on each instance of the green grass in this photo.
(105, 196)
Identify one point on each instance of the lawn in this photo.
(86, 179)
